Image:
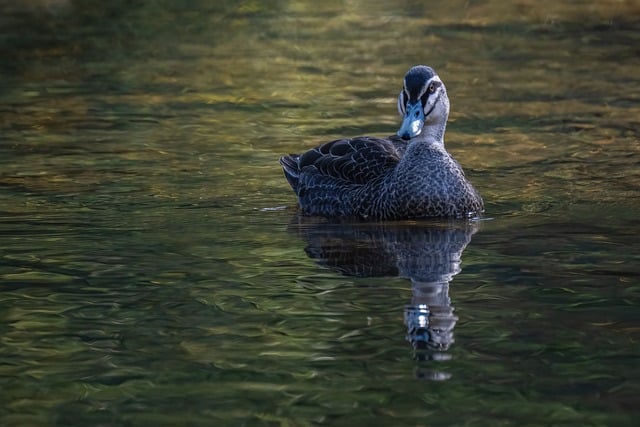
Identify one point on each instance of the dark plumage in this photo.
(406, 176)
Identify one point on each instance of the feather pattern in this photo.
(388, 178)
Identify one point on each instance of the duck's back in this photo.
(373, 178)
(338, 178)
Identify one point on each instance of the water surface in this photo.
(154, 271)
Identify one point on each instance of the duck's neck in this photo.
(433, 133)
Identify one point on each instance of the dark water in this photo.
(154, 272)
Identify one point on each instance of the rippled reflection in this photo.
(427, 253)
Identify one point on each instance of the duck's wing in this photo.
(356, 160)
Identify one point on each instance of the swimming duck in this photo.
(408, 175)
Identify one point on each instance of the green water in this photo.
(153, 270)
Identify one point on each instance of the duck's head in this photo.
(423, 104)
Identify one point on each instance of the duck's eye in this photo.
(432, 88)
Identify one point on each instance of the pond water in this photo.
(153, 269)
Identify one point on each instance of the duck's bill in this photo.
(412, 122)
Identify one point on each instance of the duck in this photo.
(409, 175)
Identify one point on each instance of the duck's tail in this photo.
(291, 170)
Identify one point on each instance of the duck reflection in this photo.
(427, 253)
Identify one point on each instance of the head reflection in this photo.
(427, 253)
